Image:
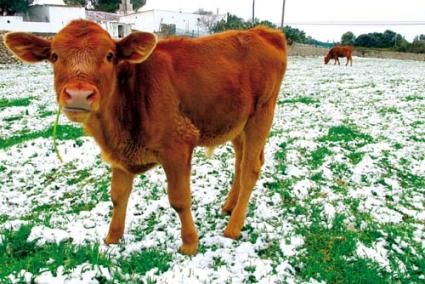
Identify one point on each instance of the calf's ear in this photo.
(28, 47)
(136, 47)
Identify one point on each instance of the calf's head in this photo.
(86, 62)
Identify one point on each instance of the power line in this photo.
(359, 23)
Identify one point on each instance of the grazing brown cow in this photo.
(149, 102)
(340, 51)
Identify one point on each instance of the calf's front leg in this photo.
(177, 166)
(122, 183)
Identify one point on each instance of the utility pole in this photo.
(253, 11)
(283, 14)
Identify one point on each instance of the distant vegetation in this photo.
(233, 22)
(112, 5)
(8, 7)
(388, 40)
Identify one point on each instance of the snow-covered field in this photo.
(341, 198)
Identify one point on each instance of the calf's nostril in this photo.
(67, 95)
(90, 97)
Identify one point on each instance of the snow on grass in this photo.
(342, 192)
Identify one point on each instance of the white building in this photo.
(44, 16)
(155, 20)
(50, 16)
(110, 22)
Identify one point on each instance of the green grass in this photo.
(142, 262)
(413, 98)
(149, 225)
(346, 134)
(217, 262)
(78, 177)
(100, 192)
(303, 100)
(330, 255)
(13, 118)
(46, 113)
(355, 157)
(417, 139)
(12, 103)
(280, 156)
(386, 110)
(64, 132)
(406, 178)
(17, 253)
(318, 157)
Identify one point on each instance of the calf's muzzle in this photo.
(79, 97)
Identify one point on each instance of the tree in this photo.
(389, 38)
(113, 5)
(264, 23)
(81, 3)
(348, 38)
(208, 19)
(418, 45)
(8, 7)
(233, 22)
(295, 34)
(138, 3)
(106, 5)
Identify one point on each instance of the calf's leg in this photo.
(122, 183)
(177, 168)
(232, 197)
(255, 135)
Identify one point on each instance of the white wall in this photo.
(37, 14)
(151, 20)
(61, 16)
(144, 21)
(17, 24)
(58, 18)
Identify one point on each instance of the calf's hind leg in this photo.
(254, 138)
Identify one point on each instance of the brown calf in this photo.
(340, 51)
(147, 103)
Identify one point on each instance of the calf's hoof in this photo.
(232, 233)
(111, 239)
(189, 249)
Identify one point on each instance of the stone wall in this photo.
(6, 56)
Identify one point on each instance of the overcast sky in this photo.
(317, 11)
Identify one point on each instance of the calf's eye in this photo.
(110, 56)
(54, 57)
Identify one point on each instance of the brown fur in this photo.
(340, 51)
(156, 101)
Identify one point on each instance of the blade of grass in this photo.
(55, 146)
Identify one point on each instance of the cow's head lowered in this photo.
(327, 58)
(86, 62)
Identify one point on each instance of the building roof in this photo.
(99, 16)
(49, 2)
